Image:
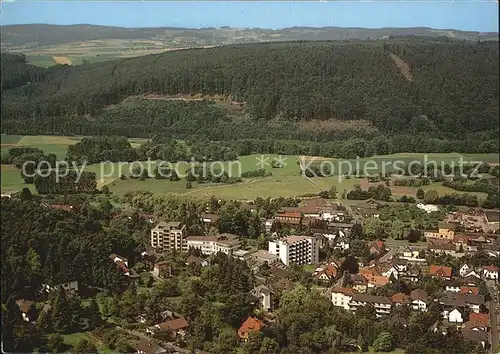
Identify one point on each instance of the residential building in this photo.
(377, 281)
(452, 286)
(197, 260)
(178, 327)
(461, 301)
(442, 272)
(479, 337)
(490, 272)
(71, 286)
(454, 316)
(341, 297)
(382, 304)
(225, 243)
(209, 219)
(265, 295)
(359, 283)
(288, 217)
(296, 249)
(419, 299)
(251, 325)
(445, 231)
(464, 269)
(377, 248)
(26, 308)
(400, 299)
(471, 290)
(146, 347)
(169, 236)
(428, 208)
(478, 322)
(121, 262)
(161, 268)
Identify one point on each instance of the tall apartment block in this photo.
(296, 249)
(169, 236)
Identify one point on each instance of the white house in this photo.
(341, 297)
(454, 288)
(419, 300)
(490, 272)
(429, 208)
(264, 294)
(454, 316)
(71, 286)
(464, 269)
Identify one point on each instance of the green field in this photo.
(40, 60)
(284, 181)
(74, 338)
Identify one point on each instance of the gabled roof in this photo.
(24, 305)
(475, 336)
(480, 319)
(400, 298)
(419, 294)
(174, 325)
(490, 268)
(149, 347)
(440, 271)
(251, 324)
(378, 280)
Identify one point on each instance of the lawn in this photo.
(41, 60)
(74, 338)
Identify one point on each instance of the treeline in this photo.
(380, 192)
(65, 182)
(287, 90)
(102, 148)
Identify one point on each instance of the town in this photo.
(321, 244)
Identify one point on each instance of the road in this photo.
(494, 332)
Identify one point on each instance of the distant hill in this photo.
(427, 95)
(36, 35)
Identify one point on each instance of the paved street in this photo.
(494, 333)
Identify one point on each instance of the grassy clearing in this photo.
(74, 338)
(10, 139)
(41, 60)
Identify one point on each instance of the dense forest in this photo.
(314, 91)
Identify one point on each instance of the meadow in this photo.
(285, 181)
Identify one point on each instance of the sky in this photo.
(455, 14)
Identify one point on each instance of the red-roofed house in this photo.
(288, 217)
(478, 321)
(442, 272)
(400, 299)
(178, 327)
(121, 262)
(251, 324)
(377, 248)
(490, 272)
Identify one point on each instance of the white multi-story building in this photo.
(225, 243)
(341, 297)
(296, 249)
(169, 236)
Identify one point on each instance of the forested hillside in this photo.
(314, 91)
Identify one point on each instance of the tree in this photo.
(105, 190)
(420, 193)
(269, 346)
(26, 194)
(333, 192)
(363, 343)
(93, 314)
(84, 346)
(44, 321)
(226, 341)
(56, 344)
(383, 343)
(189, 185)
(61, 313)
(431, 196)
